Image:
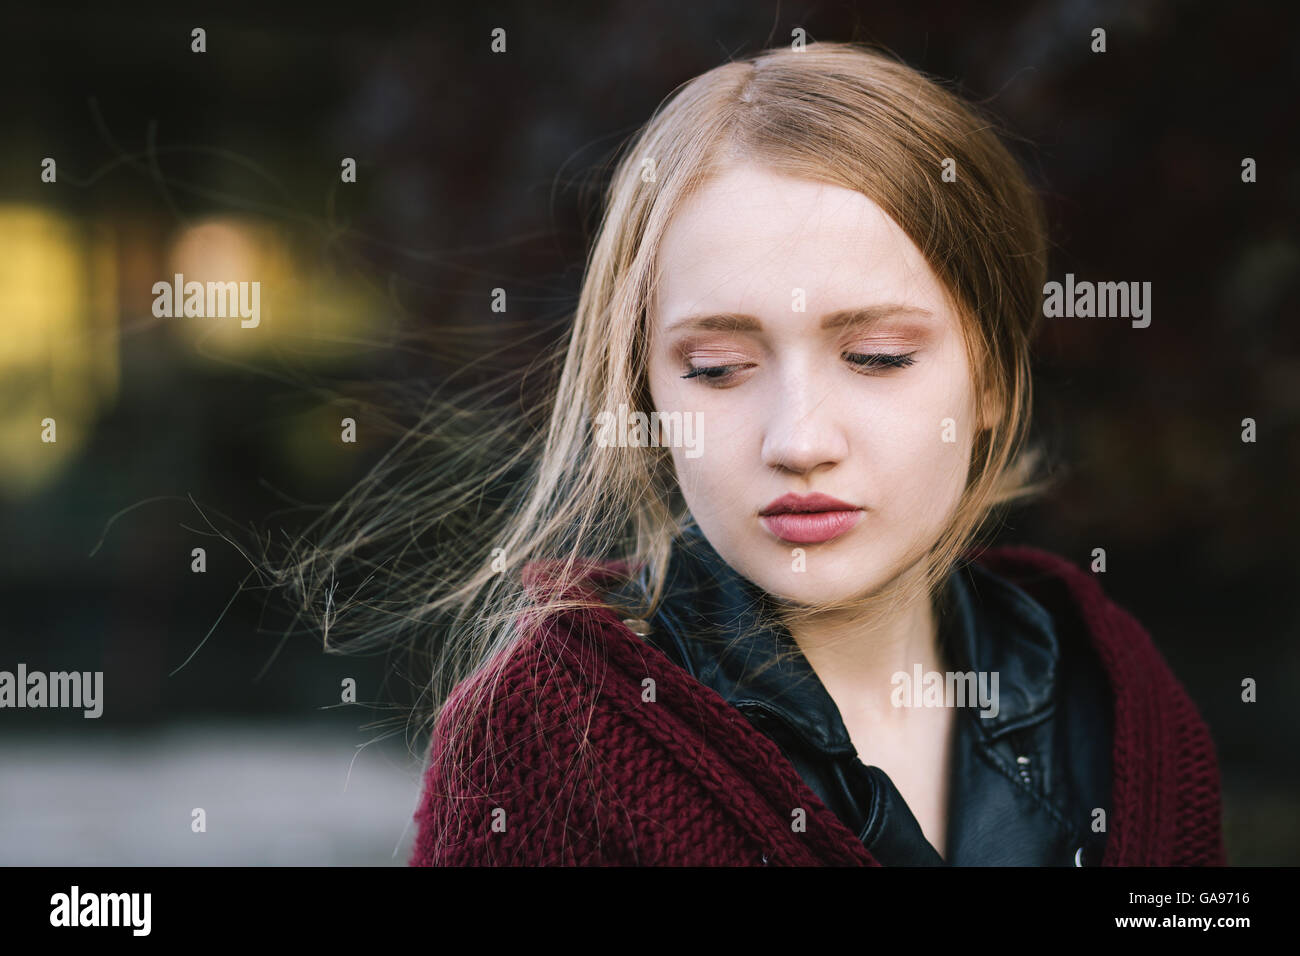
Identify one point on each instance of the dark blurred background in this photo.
(477, 170)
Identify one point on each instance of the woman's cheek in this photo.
(705, 478)
(719, 484)
(942, 460)
(907, 463)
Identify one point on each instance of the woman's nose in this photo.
(803, 429)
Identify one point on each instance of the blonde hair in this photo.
(838, 113)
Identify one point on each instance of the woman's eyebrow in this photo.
(843, 318)
(849, 318)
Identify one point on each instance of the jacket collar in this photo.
(729, 639)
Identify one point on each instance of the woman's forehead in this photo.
(752, 241)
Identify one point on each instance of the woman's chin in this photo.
(811, 576)
(842, 584)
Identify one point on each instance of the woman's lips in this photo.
(809, 519)
(810, 527)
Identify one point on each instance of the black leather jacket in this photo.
(1024, 783)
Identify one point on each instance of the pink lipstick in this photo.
(809, 519)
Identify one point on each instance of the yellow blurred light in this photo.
(304, 315)
(59, 350)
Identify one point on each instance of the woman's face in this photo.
(815, 349)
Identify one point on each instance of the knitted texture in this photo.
(596, 749)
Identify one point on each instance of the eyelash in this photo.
(874, 360)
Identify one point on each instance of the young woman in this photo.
(731, 609)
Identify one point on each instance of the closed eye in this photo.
(711, 371)
(877, 360)
(868, 363)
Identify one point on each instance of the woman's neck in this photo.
(858, 664)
